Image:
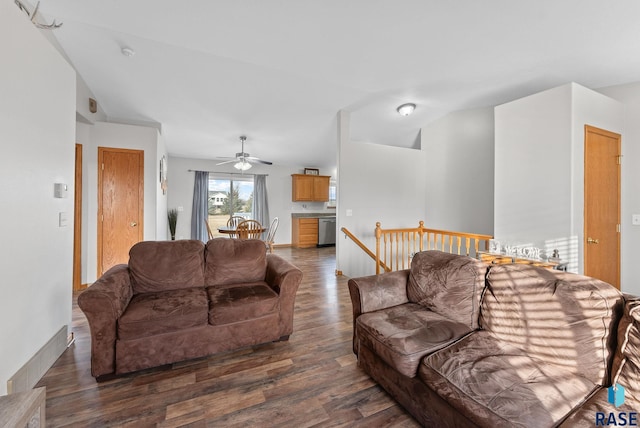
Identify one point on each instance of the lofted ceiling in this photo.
(278, 71)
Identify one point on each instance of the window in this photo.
(229, 197)
(332, 194)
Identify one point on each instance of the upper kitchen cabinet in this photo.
(310, 188)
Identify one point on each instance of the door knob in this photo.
(133, 224)
(593, 241)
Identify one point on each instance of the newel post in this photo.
(421, 234)
(378, 234)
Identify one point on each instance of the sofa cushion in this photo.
(402, 335)
(496, 384)
(166, 265)
(235, 261)
(596, 412)
(240, 302)
(561, 318)
(448, 284)
(626, 370)
(160, 312)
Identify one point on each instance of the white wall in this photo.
(459, 156)
(533, 169)
(376, 183)
(37, 131)
(83, 93)
(278, 191)
(629, 95)
(539, 167)
(103, 134)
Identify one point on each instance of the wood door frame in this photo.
(101, 152)
(592, 129)
(77, 222)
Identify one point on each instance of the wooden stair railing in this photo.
(395, 247)
(359, 243)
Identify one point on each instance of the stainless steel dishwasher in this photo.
(326, 231)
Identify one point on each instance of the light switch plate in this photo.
(635, 219)
(62, 219)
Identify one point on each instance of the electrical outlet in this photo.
(635, 219)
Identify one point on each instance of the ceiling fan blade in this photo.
(261, 161)
(255, 159)
(242, 156)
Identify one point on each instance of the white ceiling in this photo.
(279, 71)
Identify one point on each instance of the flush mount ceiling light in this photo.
(406, 109)
(126, 51)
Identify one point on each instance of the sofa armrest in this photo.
(103, 303)
(285, 279)
(375, 292)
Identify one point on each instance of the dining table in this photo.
(231, 230)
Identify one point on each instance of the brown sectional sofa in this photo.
(178, 300)
(459, 343)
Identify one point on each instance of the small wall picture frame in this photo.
(93, 105)
(311, 171)
(163, 175)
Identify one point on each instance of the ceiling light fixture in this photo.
(242, 165)
(128, 52)
(406, 109)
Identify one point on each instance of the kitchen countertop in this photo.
(312, 215)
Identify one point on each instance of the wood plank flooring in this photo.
(312, 380)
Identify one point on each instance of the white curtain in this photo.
(260, 200)
(200, 208)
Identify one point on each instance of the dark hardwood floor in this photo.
(312, 380)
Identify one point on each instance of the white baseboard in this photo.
(29, 374)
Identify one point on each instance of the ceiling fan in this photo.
(243, 160)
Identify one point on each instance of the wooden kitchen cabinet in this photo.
(310, 188)
(304, 232)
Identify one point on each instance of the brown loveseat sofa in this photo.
(460, 344)
(177, 300)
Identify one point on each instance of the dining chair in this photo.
(233, 222)
(249, 229)
(206, 223)
(269, 240)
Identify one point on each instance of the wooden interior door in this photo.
(120, 204)
(602, 205)
(77, 221)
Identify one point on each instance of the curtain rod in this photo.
(230, 173)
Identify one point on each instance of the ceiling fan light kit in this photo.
(242, 165)
(243, 160)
